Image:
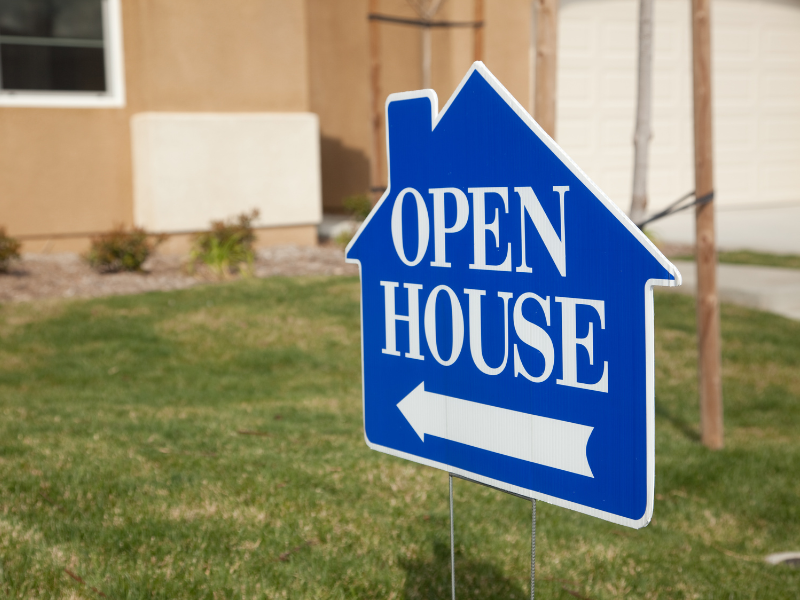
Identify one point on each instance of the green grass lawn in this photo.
(207, 443)
(749, 257)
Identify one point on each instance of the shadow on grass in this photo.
(689, 430)
(430, 578)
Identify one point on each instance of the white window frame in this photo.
(113, 97)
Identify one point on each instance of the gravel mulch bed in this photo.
(68, 276)
(39, 276)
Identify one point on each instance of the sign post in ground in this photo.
(507, 310)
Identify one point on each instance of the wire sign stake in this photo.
(533, 546)
(453, 537)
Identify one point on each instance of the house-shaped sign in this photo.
(507, 309)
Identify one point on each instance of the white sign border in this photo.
(648, 300)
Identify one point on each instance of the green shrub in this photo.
(120, 250)
(358, 206)
(9, 250)
(228, 248)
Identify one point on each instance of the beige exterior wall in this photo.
(63, 170)
(339, 91)
(508, 39)
(339, 72)
(207, 55)
(68, 172)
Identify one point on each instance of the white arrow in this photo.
(549, 442)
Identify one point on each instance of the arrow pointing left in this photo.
(540, 440)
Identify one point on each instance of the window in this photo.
(60, 53)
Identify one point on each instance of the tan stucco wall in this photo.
(339, 72)
(339, 94)
(63, 170)
(68, 171)
(180, 244)
(207, 55)
(299, 235)
(508, 34)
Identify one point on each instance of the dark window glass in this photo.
(52, 45)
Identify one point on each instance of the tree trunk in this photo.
(641, 138)
(426, 10)
(426, 58)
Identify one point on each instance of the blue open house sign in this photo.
(507, 309)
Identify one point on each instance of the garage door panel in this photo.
(755, 90)
(576, 135)
(778, 180)
(666, 88)
(781, 43)
(668, 183)
(734, 89)
(667, 42)
(738, 42)
(576, 89)
(577, 40)
(618, 40)
(618, 88)
(738, 134)
(781, 132)
(737, 182)
(780, 89)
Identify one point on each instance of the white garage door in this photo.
(756, 88)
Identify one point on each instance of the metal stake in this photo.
(453, 537)
(533, 545)
(452, 543)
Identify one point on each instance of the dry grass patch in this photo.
(223, 330)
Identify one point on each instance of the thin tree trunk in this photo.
(426, 9)
(426, 58)
(641, 138)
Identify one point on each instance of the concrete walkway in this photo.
(765, 288)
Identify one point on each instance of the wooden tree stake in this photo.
(708, 332)
(376, 175)
(478, 31)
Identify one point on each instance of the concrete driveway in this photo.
(770, 289)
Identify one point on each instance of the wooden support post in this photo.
(544, 107)
(708, 333)
(478, 31)
(376, 174)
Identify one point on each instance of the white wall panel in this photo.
(192, 168)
